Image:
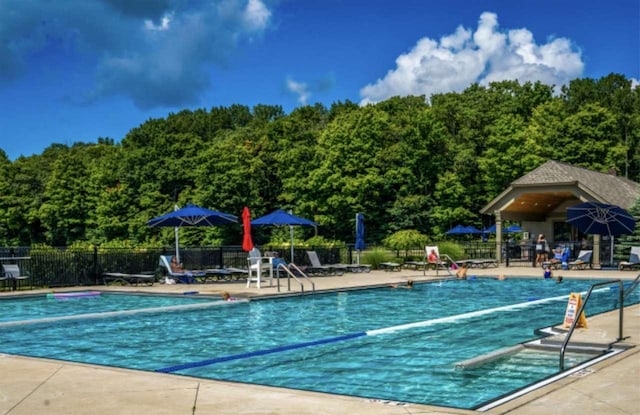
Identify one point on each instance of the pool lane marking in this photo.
(118, 313)
(470, 314)
(392, 329)
(259, 352)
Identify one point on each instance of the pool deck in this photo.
(41, 386)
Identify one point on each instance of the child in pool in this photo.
(547, 273)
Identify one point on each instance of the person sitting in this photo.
(177, 268)
(175, 265)
(433, 257)
(547, 273)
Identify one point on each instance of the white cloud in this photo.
(486, 55)
(157, 52)
(301, 89)
(164, 24)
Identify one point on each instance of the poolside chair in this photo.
(432, 258)
(184, 277)
(634, 260)
(560, 259)
(326, 269)
(260, 267)
(583, 261)
(11, 274)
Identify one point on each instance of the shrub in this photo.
(406, 240)
(453, 249)
(375, 257)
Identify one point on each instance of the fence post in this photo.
(95, 265)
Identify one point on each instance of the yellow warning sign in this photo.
(574, 304)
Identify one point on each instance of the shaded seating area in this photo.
(583, 261)
(12, 277)
(633, 262)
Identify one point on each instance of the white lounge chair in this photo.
(583, 261)
(634, 259)
(438, 262)
(186, 277)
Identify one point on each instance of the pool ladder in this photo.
(622, 294)
(290, 274)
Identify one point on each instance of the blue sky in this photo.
(76, 70)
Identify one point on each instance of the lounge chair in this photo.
(583, 261)
(260, 267)
(560, 259)
(185, 277)
(634, 260)
(324, 269)
(12, 274)
(336, 269)
(433, 259)
(124, 279)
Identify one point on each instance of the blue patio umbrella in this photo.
(360, 245)
(595, 218)
(191, 215)
(490, 229)
(280, 217)
(513, 229)
(472, 230)
(457, 230)
(601, 219)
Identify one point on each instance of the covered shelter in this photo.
(539, 200)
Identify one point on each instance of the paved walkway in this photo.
(40, 386)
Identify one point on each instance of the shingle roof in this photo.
(608, 188)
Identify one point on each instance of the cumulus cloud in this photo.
(157, 52)
(300, 89)
(486, 55)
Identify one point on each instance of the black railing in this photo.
(57, 267)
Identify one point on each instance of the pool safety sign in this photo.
(574, 304)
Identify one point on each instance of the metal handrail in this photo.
(291, 274)
(632, 287)
(581, 310)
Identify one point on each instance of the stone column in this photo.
(498, 236)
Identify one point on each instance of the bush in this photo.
(375, 257)
(406, 240)
(454, 250)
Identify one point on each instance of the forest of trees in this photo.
(406, 163)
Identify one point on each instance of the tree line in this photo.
(406, 163)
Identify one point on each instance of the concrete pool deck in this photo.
(42, 386)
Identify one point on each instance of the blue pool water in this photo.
(43, 306)
(440, 324)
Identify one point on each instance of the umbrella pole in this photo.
(291, 233)
(176, 231)
(177, 237)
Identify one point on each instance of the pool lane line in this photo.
(392, 329)
(259, 352)
(471, 314)
(106, 314)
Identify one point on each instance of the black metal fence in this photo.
(57, 267)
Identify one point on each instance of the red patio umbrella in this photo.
(247, 242)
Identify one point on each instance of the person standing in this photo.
(542, 250)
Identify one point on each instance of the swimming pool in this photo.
(49, 306)
(379, 343)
